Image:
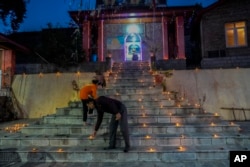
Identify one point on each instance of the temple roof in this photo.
(6, 43)
(131, 12)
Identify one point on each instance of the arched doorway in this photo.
(132, 50)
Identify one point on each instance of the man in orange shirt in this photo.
(86, 92)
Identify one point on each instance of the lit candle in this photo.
(151, 150)
(78, 73)
(40, 75)
(181, 148)
(60, 150)
(34, 149)
(91, 137)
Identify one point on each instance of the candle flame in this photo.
(178, 124)
(151, 150)
(60, 150)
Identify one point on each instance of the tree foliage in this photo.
(12, 12)
(61, 46)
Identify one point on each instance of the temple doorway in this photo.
(132, 49)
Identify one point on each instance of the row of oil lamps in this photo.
(15, 128)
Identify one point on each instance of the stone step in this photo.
(168, 154)
(131, 68)
(136, 74)
(148, 103)
(129, 79)
(130, 90)
(131, 64)
(139, 78)
(138, 119)
(191, 139)
(183, 163)
(154, 128)
(138, 102)
(140, 97)
(131, 84)
(76, 109)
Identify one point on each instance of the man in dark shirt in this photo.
(119, 116)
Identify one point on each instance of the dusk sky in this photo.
(41, 12)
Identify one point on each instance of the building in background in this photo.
(134, 30)
(225, 34)
(8, 50)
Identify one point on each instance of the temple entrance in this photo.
(132, 49)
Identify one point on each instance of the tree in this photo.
(61, 46)
(12, 12)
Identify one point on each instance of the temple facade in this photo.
(134, 30)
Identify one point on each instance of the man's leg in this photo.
(124, 128)
(85, 111)
(112, 132)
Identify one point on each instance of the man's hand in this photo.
(118, 116)
(94, 134)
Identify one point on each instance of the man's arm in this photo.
(99, 120)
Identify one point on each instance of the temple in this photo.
(133, 30)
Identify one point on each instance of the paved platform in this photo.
(244, 125)
(117, 164)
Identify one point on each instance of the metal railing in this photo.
(238, 110)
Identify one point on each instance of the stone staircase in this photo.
(161, 130)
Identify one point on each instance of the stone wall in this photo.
(40, 95)
(221, 88)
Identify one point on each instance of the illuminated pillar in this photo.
(165, 37)
(86, 38)
(100, 41)
(180, 37)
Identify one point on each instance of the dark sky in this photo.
(41, 12)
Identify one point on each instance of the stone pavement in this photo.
(217, 163)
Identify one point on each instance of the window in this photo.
(236, 34)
